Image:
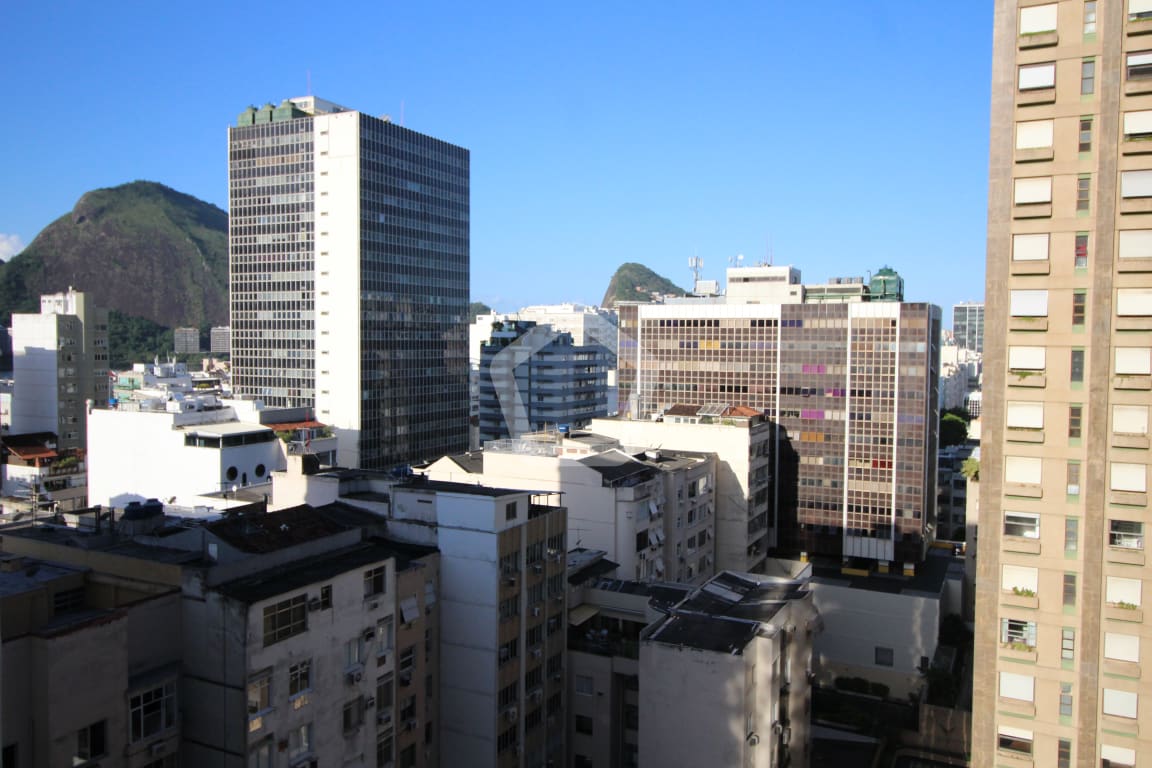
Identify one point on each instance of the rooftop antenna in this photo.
(771, 255)
(694, 264)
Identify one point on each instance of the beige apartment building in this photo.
(1068, 374)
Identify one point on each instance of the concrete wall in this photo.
(35, 353)
(856, 621)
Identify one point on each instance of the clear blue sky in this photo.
(849, 134)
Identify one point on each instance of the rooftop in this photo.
(19, 574)
(929, 578)
(422, 482)
(297, 575)
(271, 531)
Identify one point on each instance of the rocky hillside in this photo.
(141, 249)
(635, 282)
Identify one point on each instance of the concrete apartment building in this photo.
(1065, 453)
(220, 339)
(589, 326)
(60, 362)
(725, 676)
(186, 341)
(743, 444)
(285, 638)
(532, 377)
(651, 511)
(349, 263)
(853, 384)
(502, 602)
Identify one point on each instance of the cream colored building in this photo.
(725, 675)
(1060, 634)
(651, 511)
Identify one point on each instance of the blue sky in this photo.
(847, 135)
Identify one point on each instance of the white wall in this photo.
(337, 204)
(35, 399)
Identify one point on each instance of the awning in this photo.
(653, 510)
(652, 540)
(581, 614)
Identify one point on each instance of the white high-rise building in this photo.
(349, 254)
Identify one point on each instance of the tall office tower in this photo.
(1064, 451)
(348, 240)
(60, 361)
(853, 385)
(968, 325)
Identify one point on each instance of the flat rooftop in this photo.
(446, 486)
(929, 579)
(29, 574)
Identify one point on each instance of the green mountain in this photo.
(635, 282)
(140, 249)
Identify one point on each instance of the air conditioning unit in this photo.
(411, 725)
(558, 677)
(535, 696)
(314, 604)
(373, 606)
(503, 654)
(370, 702)
(511, 714)
(556, 555)
(354, 676)
(537, 652)
(535, 610)
(753, 739)
(538, 567)
(384, 717)
(510, 580)
(406, 677)
(369, 633)
(158, 748)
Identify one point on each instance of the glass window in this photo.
(1083, 193)
(1139, 65)
(1088, 77)
(1077, 366)
(1067, 643)
(1085, 134)
(285, 619)
(299, 677)
(1065, 699)
(1080, 259)
(1079, 307)
(1128, 534)
(152, 712)
(1070, 589)
(1025, 524)
(1090, 17)
(885, 657)
(1071, 534)
(91, 741)
(375, 581)
(1075, 421)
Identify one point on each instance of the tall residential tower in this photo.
(349, 249)
(1068, 371)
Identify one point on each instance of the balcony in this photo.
(1124, 612)
(1019, 598)
(1036, 267)
(1018, 652)
(1028, 324)
(1019, 435)
(1124, 555)
(1027, 379)
(1037, 40)
(1122, 668)
(1022, 544)
(1125, 440)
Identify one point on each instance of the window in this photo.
(1120, 703)
(1024, 470)
(1136, 184)
(299, 677)
(384, 746)
(1071, 532)
(583, 724)
(1030, 247)
(1130, 419)
(1019, 579)
(1038, 19)
(509, 650)
(1080, 255)
(584, 685)
(260, 756)
(407, 658)
(259, 695)
(1087, 77)
(1117, 757)
(1036, 76)
(353, 714)
(354, 651)
(1122, 592)
(1024, 415)
(1090, 17)
(300, 742)
(1067, 644)
(1127, 534)
(1122, 647)
(1131, 478)
(91, 742)
(510, 608)
(1085, 136)
(1139, 65)
(1083, 192)
(325, 597)
(1075, 421)
(1076, 367)
(1070, 590)
(1023, 524)
(506, 740)
(510, 511)
(1134, 302)
(1014, 686)
(1015, 740)
(1139, 10)
(1026, 358)
(1032, 303)
(1138, 124)
(1064, 746)
(152, 712)
(8, 757)
(375, 581)
(285, 619)
(384, 636)
(1065, 699)
(1133, 361)
(884, 657)
(1032, 190)
(1017, 632)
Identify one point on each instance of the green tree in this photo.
(953, 430)
(971, 469)
(476, 308)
